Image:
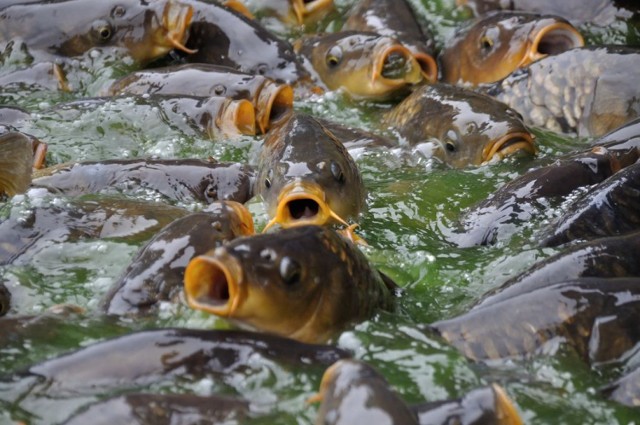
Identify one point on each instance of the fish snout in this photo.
(397, 63)
(552, 39)
(428, 66)
(508, 145)
(236, 117)
(273, 103)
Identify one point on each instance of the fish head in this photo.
(235, 218)
(365, 65)
(304, 9)
(274, 282)
(16, 161)
(273, 103)
(497, 45)
(225, 183)
(306, 176)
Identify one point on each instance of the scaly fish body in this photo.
(465, 128)
(250, 279)
(364, 64)
(157, 272)
(495, 46)
(16, 161)
(271, 100)
(589, 91)
(176, 179)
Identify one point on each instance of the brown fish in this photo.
(271, 100)
(292, 11)
(145, 30)
(251, 280)
(495, 46)
(306, 176)
(16, 161)
(364, 64)
(462, 127)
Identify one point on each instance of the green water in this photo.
(411, 207)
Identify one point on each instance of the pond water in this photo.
(412, 206)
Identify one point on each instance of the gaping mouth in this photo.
(304, 8)
(275, 101)
(245, 219)
(395, 66)
(553, 39)
(508, 145)
(506, 413)
(428, 66)
(176, 19)
(236, 117)
(211, 283)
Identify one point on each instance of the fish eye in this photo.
(290, 271)
(334, 56)
(450, 141)
(103, 30)
(118, 12)
(336, 172)
(450, 146)
(261, 69)
(486, 42)
(211, 192)
(219, 89)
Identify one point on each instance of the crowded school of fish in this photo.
(291, 285)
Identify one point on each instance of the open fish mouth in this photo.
(274, 102)
(509, 144)
(395, 66)
(428, 66)
(553, 39)
(234, 117)
(303, 203)
(245, 221)
(176, 19)
(506, 413)
(304, 8)
(212, 283)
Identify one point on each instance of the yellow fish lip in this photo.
(246, 219)
(328, 376)
(274, 102)
(212, 283)
(562, 33)
(413, 76)
(506, 412)
(176, 18)
(235, 117)
(428, 66)
(302, 9)
(310, 197)
(508, 145)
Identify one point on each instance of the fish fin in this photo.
(391, 285)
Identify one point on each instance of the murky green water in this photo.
(413, 204)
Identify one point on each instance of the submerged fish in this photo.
(324, 281)
(364, 64)
(395, 19)
(589, 91)
(271, 100)
(145, 30)
(597, 317)
(144, 357)
(464, 127)
(157, 272)
(219, 35)
(493, 47)
(306, 176)
(148, 409)
(185, 180)
(625, 390)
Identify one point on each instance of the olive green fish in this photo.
(307, 283)
(460, 127)
(493, 47)
(365, 65)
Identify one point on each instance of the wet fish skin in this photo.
(156, 273)
(582, 91)
(396, 19)
(70, 28)
(365, 65)
(496, 45)
(609, 208)
(162, 409)
(597, 317)
(466, 128)
(251, 278)
(518, 200)
(5, 300)
(625, 390)
(303, 159)
(16, 161)
(297, 12)
(149, 356)
(185, 180)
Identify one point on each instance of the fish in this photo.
(250, 279)
(70, 28)
(143, 357)
(395, 19)
(156, 273)
(296, 12)
(16, 161)
(609, 208)
(39, 76)
(626, 133)
(5, 299)
(605, 258)
(365, 65)
(496, 45)
(221, 36)
(600, 12)
(272, 101)
(464, 128)
(352, 391)
(624, 390)
(27, 232)
(493, 219)
(178, 180)
(146, 409)
(596, 317)
(305, 175)
(585, 91)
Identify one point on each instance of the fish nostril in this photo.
(395, 65)
(303, 208)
